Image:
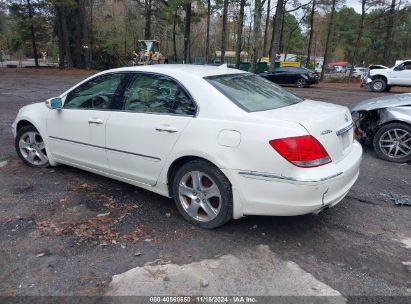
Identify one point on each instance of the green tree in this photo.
(30, 26)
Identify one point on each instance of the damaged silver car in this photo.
(385, 123)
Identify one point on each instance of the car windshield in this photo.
(253, 93)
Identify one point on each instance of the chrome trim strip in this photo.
(345, 130)
(110, 149)
(253, 174)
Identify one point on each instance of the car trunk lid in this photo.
(330, 124)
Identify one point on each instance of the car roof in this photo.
(191, 70)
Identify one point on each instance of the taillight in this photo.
(302, 151)
(357, 133)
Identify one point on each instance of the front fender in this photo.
(36, 115)
(402, 114)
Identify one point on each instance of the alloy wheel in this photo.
(377, 85)
(199, 196)
(33, 148)
(395, 143)
(301, 83)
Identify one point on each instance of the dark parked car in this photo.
(299, 76)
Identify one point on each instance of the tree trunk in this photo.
(33, 34)
(275, 39)
(239, 34)
(359, 37)
(248, 38)
(78, 58)
(389, 34)
(280, 44)
(224, 31)
(147, 15)
(258, 10)
(267, 24)
(310, 40)
(207, 53)
(91, 32)
(60, 37)
(174, 36)
(85, 33)
(187, 31)
(327, 42)
(66, 40)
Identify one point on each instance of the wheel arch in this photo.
(379, 76)
(180, 161)
(390, 122)
(23, 123)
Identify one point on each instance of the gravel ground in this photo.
(64, 231)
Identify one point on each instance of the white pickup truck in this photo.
(382, 79)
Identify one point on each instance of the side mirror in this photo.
(54, 103)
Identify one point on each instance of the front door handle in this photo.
(168, 129)
(95, 120)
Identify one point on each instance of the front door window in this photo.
(100, 93)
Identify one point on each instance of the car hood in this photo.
(377, 66)
(384, 102)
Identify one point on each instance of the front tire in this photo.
(301, 83)
(203, 195)
(31, 148)
(392, 142)
(378, 85)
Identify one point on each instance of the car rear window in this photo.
(252, 93)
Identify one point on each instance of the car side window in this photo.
(101, 92)
(407, 65)
(150, 93)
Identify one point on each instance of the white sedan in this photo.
(222, 142)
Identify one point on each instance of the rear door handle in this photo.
(95, 120)
(168, 129)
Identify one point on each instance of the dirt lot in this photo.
(67, 232)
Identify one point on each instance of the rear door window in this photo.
(153, 93)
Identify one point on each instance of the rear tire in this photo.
(392, 142)
(203, 195)
(378, 85)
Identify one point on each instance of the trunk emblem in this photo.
(326, 132)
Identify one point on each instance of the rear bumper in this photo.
(259, 193)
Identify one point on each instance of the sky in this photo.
(355, 4)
